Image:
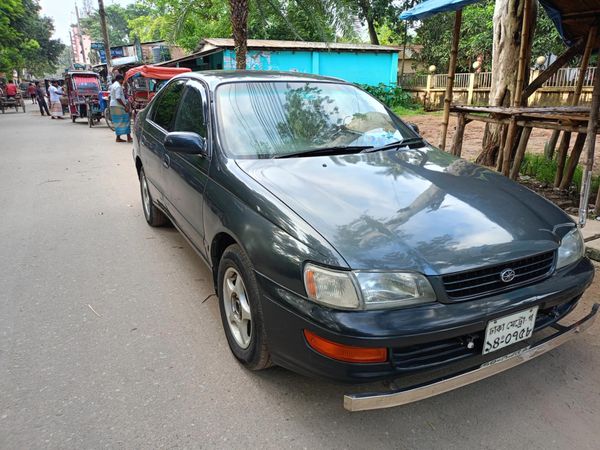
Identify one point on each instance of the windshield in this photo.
(271, 119)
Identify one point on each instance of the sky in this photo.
(63, 13)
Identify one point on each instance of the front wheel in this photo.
(241, 311)
(154, 216)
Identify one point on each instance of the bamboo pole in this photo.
(518, 92)
(589, 147)
(562, 177)
(520, 152)
(451, 72)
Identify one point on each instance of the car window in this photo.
(166, 106)
(285, 117)
(191, 112)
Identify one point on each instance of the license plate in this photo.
(508, 330)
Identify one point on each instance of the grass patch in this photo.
(541, 168)
(404, 111)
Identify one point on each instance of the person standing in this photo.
(119, 110)
(31, 91)
(55, 105)
(41, 98)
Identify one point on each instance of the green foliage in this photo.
(476, 38)
(539, 167)
(435, 34)
(117, 23)
(543, 169)
(26, 38)
(392, 95)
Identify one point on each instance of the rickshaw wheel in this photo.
(73, 119)
(23, 105)
(90, 120)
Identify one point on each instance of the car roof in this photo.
(216, 77)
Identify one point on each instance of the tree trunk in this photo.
(367, 14)
(239, 26)
(508, 16)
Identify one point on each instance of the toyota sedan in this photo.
(343, 245)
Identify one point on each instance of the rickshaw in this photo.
(11, 102)
(83, 90)
(143, 82)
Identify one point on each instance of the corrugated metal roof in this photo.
(295, 45)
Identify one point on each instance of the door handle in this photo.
(166, 161)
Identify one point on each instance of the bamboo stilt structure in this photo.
(589, 148)
(564, 178)
(450, 82)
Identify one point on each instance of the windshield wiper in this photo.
(395, 144)
(324, 151)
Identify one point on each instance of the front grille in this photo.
(480, 282)
(430, 355)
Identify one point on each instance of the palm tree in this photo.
(239, 25)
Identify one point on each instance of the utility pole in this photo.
(79, 32)
(105, 37)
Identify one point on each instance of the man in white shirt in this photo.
(119, 110)
(56, 93)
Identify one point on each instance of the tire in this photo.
(73, 119)
(90, 120)
(154, 216)
(241, 311)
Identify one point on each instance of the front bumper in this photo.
(398, 397)
(424, 343)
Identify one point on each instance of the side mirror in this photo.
(185, 142)
(414, 127)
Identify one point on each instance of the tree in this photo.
(239, 26)
(477, 37)
(508, 20)
(117, 19)
(26, 38)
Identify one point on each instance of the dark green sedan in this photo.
(343, 245)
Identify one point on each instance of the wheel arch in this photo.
(219, 243)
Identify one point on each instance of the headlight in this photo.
(330, 287)
(571, 249)
(387, 290)
(366, 290)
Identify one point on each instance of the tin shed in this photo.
(357, 63)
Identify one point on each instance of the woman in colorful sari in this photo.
(119, 110)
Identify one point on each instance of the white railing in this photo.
(483, 80)
(413, 80)
(567, 77)
(462, 80)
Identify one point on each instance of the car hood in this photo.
(421, 210)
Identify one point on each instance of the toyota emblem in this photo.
(507, 275)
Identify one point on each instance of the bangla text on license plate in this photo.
(508, 330)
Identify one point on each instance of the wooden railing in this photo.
(475, 86)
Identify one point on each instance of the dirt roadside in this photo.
(430, 124)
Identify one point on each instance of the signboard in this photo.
(115, 52)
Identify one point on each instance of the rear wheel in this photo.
(154, 216)
(241, 311)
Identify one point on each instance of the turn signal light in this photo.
(346, 353)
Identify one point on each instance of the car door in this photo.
(187, 173)
(159, 122)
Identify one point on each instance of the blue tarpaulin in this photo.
(432, 7)
(429, 8)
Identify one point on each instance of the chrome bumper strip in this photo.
(367, 401)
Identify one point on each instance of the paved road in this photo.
(149, 366)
